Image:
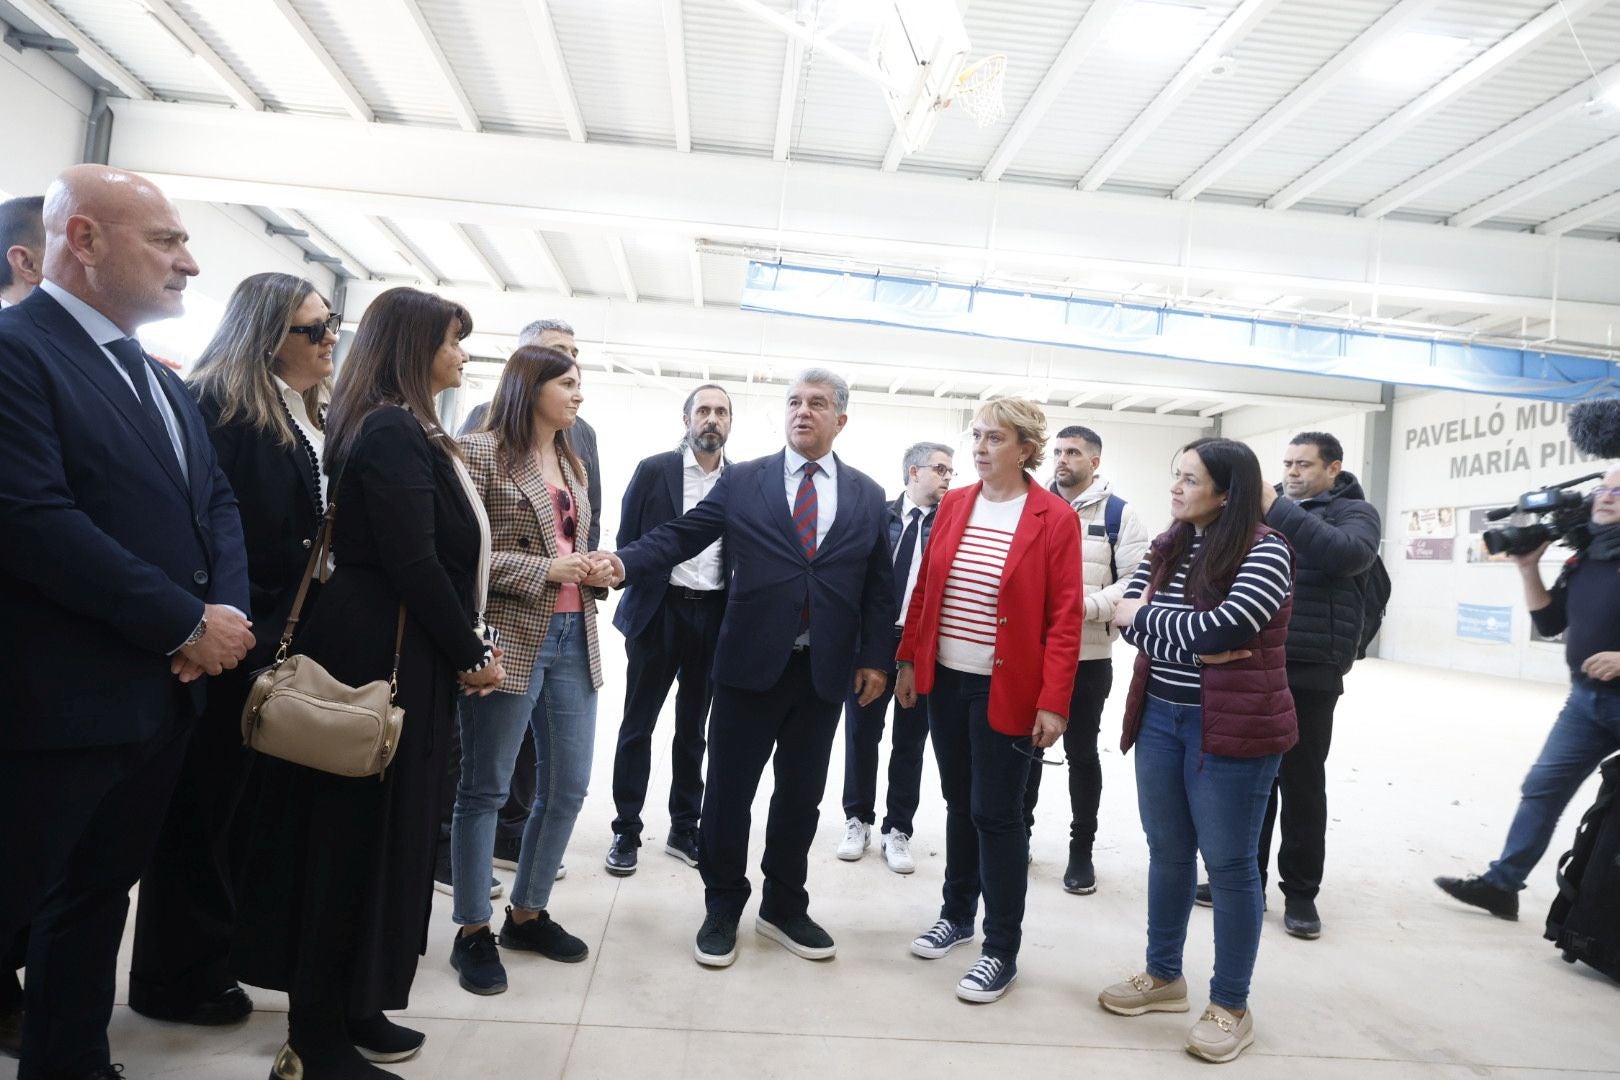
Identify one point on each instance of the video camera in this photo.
(1562, 516)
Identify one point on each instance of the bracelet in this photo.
(489, 658)
(196, 634)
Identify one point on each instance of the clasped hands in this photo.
(487, 679)
(223, 645)
(599, 569)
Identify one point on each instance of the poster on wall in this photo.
(1431, 535)
(1484, 622)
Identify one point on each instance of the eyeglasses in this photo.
(1036, 755)
(1605, 492)
(318, 330)
(944, 472)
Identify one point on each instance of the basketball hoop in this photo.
(978, 89)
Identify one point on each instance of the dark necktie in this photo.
(130, 355)
(804, 520)
(903, 556)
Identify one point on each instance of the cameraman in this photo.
(1584, 604)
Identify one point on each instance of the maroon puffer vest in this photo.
(1248, 710)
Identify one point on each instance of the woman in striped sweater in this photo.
(1210, 715)
(993, 636)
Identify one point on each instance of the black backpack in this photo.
(1584, 922)
(1374, 586)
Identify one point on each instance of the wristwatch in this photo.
(196, 635)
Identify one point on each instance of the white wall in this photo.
(45, 110)
(1468, 450)
(1269, 431)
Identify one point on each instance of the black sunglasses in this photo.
(1036, 755)
(318, 330)
(569, 526)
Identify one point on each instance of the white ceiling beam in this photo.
(353, 102)
(945, 387)
(491, 275)
(542, 249)
(1581, 215)
(1547, 180)
(351, 266)
(991, 391)
(1216, 410)
(675, 50)
(1172, 406)
(895, 153)
(54, 23)
(1302, 97)
(1550, 23)
(1057, 77)
(899, 384)
(402, 247)
(1566, 106)
(1080, 399)
(189, 40)
(1231, 31)
(695, 258)
(460, 103)
(1126, 402)
(555, 67)
(621, 266)
(787, 102)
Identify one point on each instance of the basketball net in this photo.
(978, 89)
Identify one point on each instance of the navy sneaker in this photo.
(987, 980)
(542, 935)
(800, 935)
(941, 938)
(716, 941)
(475, 957)
(683, 844)
(621, 857)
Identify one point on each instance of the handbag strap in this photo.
(317, 557)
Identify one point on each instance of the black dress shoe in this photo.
(225, 1008)
(1477, 892)
(621, 857)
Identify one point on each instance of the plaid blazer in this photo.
(523, 542)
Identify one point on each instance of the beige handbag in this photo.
(298, 712)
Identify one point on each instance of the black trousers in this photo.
(677, 645)
(1301, 791)
(1093, 679)
(982, 774)
(744, 728)
(863, 736)
(185, 910)
(92, 818)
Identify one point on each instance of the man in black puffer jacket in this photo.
(1335, 532)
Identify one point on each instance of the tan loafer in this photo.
(1219, 1036)
(1137, 995)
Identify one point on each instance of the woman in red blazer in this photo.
(992, 637)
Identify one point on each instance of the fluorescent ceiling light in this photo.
(1156, 28)
(1413, 58)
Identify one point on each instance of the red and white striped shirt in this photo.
(967, 617)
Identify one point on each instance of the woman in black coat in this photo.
(337, 879)
(261, 384)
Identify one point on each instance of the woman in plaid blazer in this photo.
(542, 600)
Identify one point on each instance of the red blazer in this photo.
(1038, 612)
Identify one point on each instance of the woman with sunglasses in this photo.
(262, 384)
(992, 636)
(1210, 714)
(543, 599)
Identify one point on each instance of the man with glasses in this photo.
(1584, 606)
(928, 475)
(1115, 542)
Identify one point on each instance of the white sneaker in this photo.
(897, 852)
(857, 838)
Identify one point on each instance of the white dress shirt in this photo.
(906, 507)
(703, 572)
(102, 330)
(299, 410)
(826, 482)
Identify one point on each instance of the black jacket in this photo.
(1335, 538)
(656, 493)
(279, 496)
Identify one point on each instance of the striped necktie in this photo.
(804, 510)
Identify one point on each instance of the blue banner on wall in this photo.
(1481, 622)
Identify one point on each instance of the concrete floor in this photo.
(1403, 982)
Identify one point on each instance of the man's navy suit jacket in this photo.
(107, 552)
(848, 585)
(656, 494)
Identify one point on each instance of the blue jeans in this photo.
(982, 776)
(1194, 802)
(560, 704)
(1586, 732)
